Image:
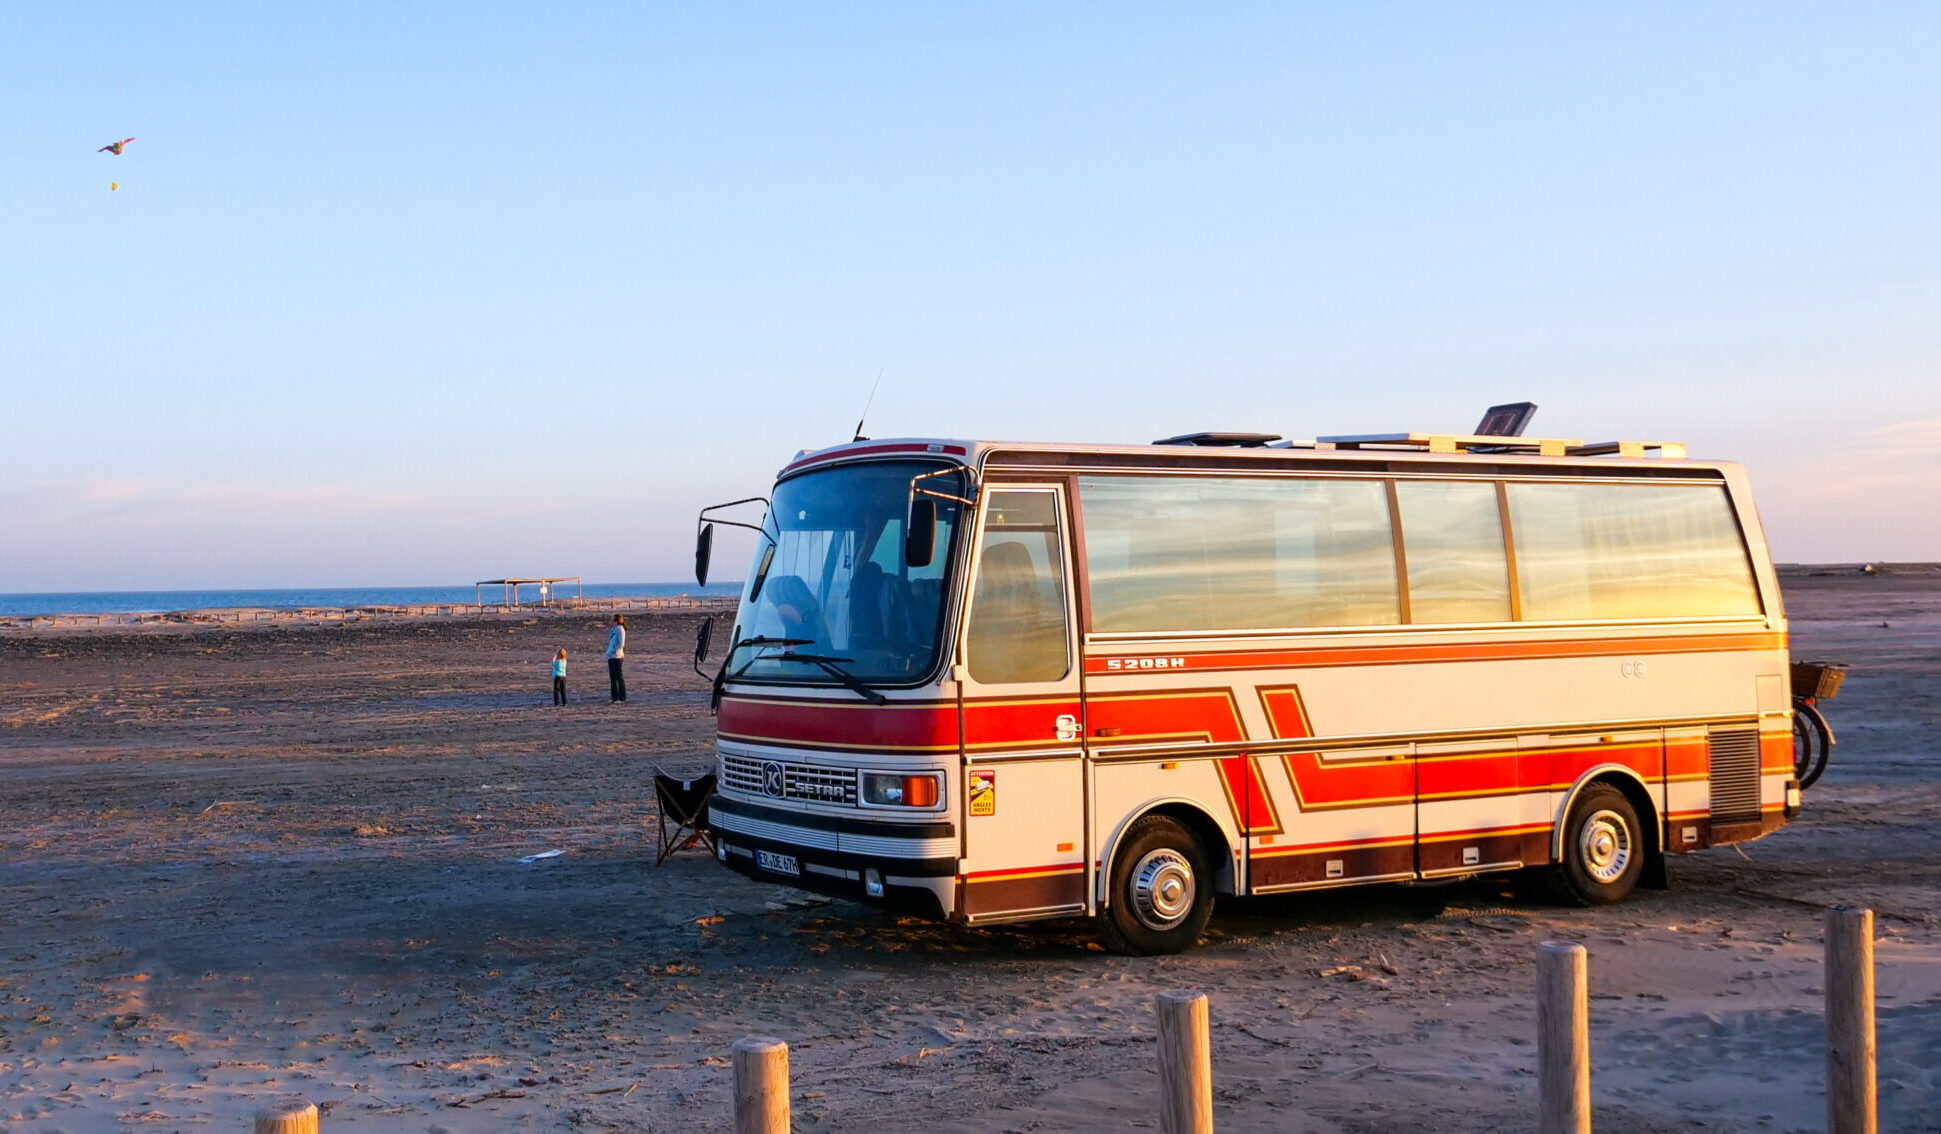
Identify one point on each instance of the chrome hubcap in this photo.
(1162, 888)
(1605, 846)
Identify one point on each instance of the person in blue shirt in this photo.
(559, 677)
(616, 651)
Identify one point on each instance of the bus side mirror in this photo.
(920, 538)
(702, 637)
(703, 550)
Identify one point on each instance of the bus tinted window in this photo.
(1229, 553)
(1629, 551)
(1452, 533)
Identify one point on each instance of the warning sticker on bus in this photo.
(983, 791)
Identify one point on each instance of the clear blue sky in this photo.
(423, 296)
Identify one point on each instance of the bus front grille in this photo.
(741, 774)
(782, 779)
(823, 785)
(1735, 775)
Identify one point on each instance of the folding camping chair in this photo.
(684, 805)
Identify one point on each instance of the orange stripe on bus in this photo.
(1023, 872)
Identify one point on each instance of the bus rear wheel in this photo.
(1161, 890)
(1604, 849)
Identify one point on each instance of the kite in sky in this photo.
(114, 147)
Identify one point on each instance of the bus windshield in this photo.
(829, 579)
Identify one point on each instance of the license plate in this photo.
(779, 863)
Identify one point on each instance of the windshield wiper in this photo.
(765, 640)
(829, 666)
(721, 676)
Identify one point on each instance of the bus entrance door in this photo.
(1024, 719)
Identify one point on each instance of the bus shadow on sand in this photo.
(1505, 903)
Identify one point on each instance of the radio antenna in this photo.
(866, 404)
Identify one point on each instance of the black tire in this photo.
(1161, 892)
(1812, 744)
(1604, 849)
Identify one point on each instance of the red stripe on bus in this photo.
(1247, 797)
(995, 724)
(928, 726)
(1210, 716)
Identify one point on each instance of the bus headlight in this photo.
(889, 789)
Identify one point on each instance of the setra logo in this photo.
(772, 779)
(1145, 663)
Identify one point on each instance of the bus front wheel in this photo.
(1604, 849)
(1161, 893)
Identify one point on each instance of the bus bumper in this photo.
(908, 867)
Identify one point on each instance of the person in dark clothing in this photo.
(616, 652)
(559, 677)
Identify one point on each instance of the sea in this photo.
(151, 602)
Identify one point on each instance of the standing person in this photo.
(616, 651)
(559, 677)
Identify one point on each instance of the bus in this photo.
(996, 682)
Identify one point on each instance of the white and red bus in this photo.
(994, 682)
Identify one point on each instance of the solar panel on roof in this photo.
(1508, 420)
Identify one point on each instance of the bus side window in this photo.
(1452, 532)
(1610, 551)
(1187, 554)
(1017, 625)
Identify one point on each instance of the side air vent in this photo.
(1735, 775)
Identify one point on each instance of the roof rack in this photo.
(1226, 440)
(1669, 450)
(1483, 443)
(1449, 443)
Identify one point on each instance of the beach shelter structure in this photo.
(548, 586)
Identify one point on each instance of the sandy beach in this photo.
(248, 860)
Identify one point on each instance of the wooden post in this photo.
(761, 1085)
(1185, 1064)
(1563, 1039)
(287, 1116)
(1850, 1097)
